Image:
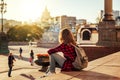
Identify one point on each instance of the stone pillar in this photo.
(108, 16)
(108, 33)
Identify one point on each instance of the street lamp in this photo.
(3, 7)
(3, 36)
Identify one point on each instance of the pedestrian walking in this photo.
(20, 51)
(10, 63)
(32, 57)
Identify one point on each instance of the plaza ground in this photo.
(104, 68)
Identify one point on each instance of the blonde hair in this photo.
(66, 36)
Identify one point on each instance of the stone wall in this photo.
(94, 52)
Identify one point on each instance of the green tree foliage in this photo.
(25, 33)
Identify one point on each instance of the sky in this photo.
(31, 10)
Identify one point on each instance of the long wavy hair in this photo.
(66, 36)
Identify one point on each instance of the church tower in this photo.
(45, 15)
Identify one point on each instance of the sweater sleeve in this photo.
(56, 49)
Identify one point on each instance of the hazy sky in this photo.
(30, 10)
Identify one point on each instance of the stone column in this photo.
(108, 16)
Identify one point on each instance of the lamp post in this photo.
(3, 7)
(3, 36)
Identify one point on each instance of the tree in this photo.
(25, 33)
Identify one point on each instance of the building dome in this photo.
(45, 15)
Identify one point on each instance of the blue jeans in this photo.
(55, 57)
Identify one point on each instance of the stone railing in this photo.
(46, 45)
(18, 43)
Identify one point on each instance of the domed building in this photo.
(45, 15)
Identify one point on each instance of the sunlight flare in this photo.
(31, 9)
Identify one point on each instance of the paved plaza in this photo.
(20, 66)
(105, 68)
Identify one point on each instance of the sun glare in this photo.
(32, 9)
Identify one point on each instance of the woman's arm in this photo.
(56, 49)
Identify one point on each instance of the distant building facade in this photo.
(118, 21)
(9, 23)
(66, 21)
(14, 23)
(116, 13)
(81, 21)
(85, 33)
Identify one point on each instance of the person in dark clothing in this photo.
(10, 63)
(31, 57)
(20, 51)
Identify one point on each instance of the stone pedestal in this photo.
(108, 34)
(3, 43)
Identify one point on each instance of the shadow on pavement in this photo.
(28, 76)
(90, 75)
(23, 58)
